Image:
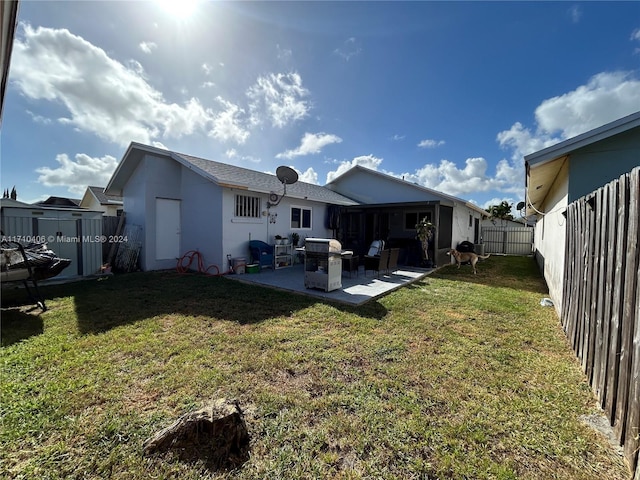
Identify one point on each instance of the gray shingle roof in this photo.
(103, 198)
(232, 176)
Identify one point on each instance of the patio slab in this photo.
(356, 290)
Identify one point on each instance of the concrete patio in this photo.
(356, 289)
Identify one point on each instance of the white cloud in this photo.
(78, 173)
(606, 97)
(148, 47)
(102, 96)
(635, 35)
(448, 178)
(310, 143)
(368, 161)
(575, 13)
(233, 154)
(278, 97)
(397, 137)
(350, 48)
(428, 143)
(308, 176)
(227, 125)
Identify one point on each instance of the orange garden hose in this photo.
(185, 262)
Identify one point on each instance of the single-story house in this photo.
(558, 175)
(72, 233)
(389, 208)
(95, 199)
(184, 203)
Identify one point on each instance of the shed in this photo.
(72, 233)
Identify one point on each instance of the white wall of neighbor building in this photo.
(93, 204)
(550, 236)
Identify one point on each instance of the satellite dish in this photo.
(520, 206)
(287, 176)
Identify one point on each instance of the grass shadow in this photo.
(124, 299)
(19, 323)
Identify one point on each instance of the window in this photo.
(300, 217)
(470, 221)
(411, 219)
(247, 207)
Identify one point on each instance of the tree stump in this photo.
(216, 434)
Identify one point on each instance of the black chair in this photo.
(394, 253)
(377, 263)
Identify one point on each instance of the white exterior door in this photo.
(167, 229)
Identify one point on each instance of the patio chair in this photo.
(261, 253)
(394, 253)
(377, 263)
(376, 247)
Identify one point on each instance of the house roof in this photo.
(60, 202)
(103, 198)
(544, 165)
(359, 170)
(224, 175)
(10, 203)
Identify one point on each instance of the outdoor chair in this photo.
(377, 263)
(261, 253)
(376, 247)
(394, 253)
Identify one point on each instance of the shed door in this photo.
(62, 238)
(167, 229)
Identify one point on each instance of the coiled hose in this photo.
(185, 262)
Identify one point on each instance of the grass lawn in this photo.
(457, 376)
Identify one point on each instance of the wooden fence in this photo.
(508, 240)
(600, 311)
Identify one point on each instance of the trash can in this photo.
(239, 264)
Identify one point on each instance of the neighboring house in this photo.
(94, 198)
(184, 203)
(62, 202)
(562, 173)
(72, 233)
(389, 208)
(9, 22)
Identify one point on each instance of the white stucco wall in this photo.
(461, 231)
(238, 231)
(550, 236)
(201, 219)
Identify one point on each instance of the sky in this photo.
(450, 95)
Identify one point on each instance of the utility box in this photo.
(239, 265)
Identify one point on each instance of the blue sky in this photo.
(449, 95)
